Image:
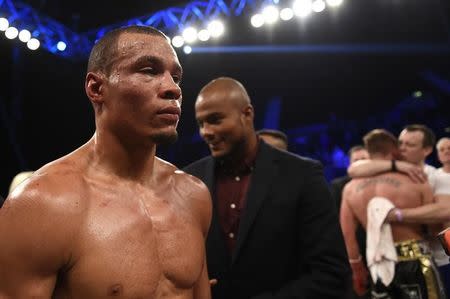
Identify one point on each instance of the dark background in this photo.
(328, 100)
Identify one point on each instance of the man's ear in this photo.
(94, 86)
(248, 112)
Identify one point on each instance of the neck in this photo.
(446, 167)
(125, 159)
(420, 163)
(244, 150)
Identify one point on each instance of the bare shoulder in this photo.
(190, 184)
(54, 188)
(42, 214)
(349, 188)
(193, 192)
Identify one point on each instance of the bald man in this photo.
(275, 231)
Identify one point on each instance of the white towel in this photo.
(380, 249)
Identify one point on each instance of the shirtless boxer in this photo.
(403, 193)
(111, 219)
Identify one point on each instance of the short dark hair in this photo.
(380, 141)
(355, 148)
(429, 139)
(103, 52)
(273, 133)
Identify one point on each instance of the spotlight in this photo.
(33, 44)
(302, 8)
(203, 35)
(334, 2)
(11, 32)
(270, 14)
(318, 6)
(61, 46)
(286, 14)
(177, 41)
(187, 49)
(257, 20)
(216, 28)
(24, 35)
(4, 24)
(190, 34)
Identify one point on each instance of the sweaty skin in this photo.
(357, 193)
(396, 187)
(111, 219)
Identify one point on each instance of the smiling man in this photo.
(275, 230)
(111, 219)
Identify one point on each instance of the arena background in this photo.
(325, 80)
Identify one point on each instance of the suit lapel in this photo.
(208, 177)
(264, 171)
(217, 250)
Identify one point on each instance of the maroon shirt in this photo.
(232, 183)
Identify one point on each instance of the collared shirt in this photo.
(232, 182)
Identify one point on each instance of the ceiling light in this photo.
(257, 20)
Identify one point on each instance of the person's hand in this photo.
(360, 278)
(391, 216)
(415, 172)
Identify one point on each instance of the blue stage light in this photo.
(61, 46)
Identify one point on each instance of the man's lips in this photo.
(171, 114)
(170, 110)
(214, 145)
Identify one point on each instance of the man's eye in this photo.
(214, 120)
(148, 70)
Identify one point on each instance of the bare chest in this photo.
(134, 247)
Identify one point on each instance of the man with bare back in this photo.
(111, 219)
(413, 254)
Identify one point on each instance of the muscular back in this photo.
(398, 188)
(75, 232)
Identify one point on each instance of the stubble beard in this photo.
(165, 138)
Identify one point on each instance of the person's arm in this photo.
(434, 213)
(349, 225)
(323, 270)
(368, 167)
(33, 247)
(202, 288)
(201, 200)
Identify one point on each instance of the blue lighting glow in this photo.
(171, 20)
(61, 46)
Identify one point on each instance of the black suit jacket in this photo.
(337, 185)
(289, 243)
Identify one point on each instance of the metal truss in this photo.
(47, 31)
(171, 20)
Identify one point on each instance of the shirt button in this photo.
(237, 179)
(233, 206)
(231, 235)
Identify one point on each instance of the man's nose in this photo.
(169, 89)
(205, 131)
